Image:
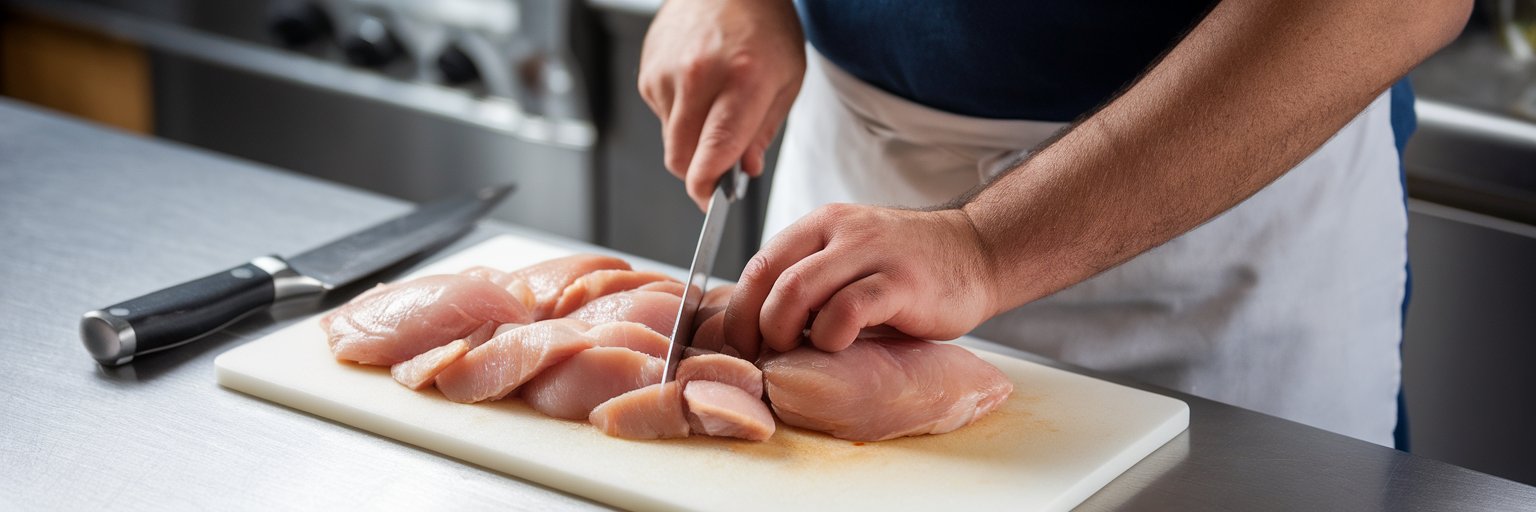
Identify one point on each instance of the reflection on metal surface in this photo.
(497, 113)
(1473, 161)
(1447, 116)
(287, 283)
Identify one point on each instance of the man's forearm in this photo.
(1249, 93)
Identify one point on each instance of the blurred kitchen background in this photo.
(420, 99)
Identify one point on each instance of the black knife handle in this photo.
(185, 312)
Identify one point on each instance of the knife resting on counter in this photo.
(185, 312)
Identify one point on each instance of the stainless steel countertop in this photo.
(89, 217)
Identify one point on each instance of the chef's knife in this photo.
(188, 311)
(732, 186)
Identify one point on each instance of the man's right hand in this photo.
(721, 75)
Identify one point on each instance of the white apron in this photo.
(1288, 304)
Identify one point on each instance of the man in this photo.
(1224, 215)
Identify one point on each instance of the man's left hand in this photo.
(847, 267)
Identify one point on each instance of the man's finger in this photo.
(803, 288)
(733, 122)
(662, 106)
(657, 95)
(690, 107)
(867, 302)
(743, 314)
(753, 161)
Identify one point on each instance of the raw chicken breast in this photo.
(880, 389)
(718, 409)
(696, 352)
(493, 370)
(603, 282)
(571, 389)
(672, 287)
(395, 322)
(549, 279)
(652, 412)
(723, 369)
(486, 331)
(513, 284)
(420, 371)
(653, 309)
(632, 336)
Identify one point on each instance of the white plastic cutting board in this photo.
(1058, 439)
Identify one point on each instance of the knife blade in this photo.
(732, 186)
(185, 312)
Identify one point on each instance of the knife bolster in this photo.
(288, 283)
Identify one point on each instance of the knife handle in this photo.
(188, 311)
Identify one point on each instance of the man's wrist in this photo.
(984, 266)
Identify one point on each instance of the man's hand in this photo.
(721, 75)
(846, 267)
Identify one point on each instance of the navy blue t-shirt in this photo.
(1049, 60)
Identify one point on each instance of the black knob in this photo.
(456, 66)
(298, 25)
(371, 45)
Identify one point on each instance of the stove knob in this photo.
(298, 25)
(456, 66)
(371, 45)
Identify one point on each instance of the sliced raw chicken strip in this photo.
(498, 367)
(602, 282)
(652, 412)
(653, 309)
(486, 331)
(420, 371)
(696, 352)
(513, 284)
(571, 389)
(550, 278)
(630, 335)
(879, 389)
(719, 409)
(395, 322)
(568, 322)
(724, 369)
(670, 287)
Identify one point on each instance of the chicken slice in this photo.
(549, 279)
(486, 331)
(571, 389)
(395, 322)
(513, 284)
(602, 282)
(630, 335)
(670, 287)
(880, 389)
(652, 412)
(724, 369)
(653, 309)
(420, 371)
(498, 367)
(724, 410)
